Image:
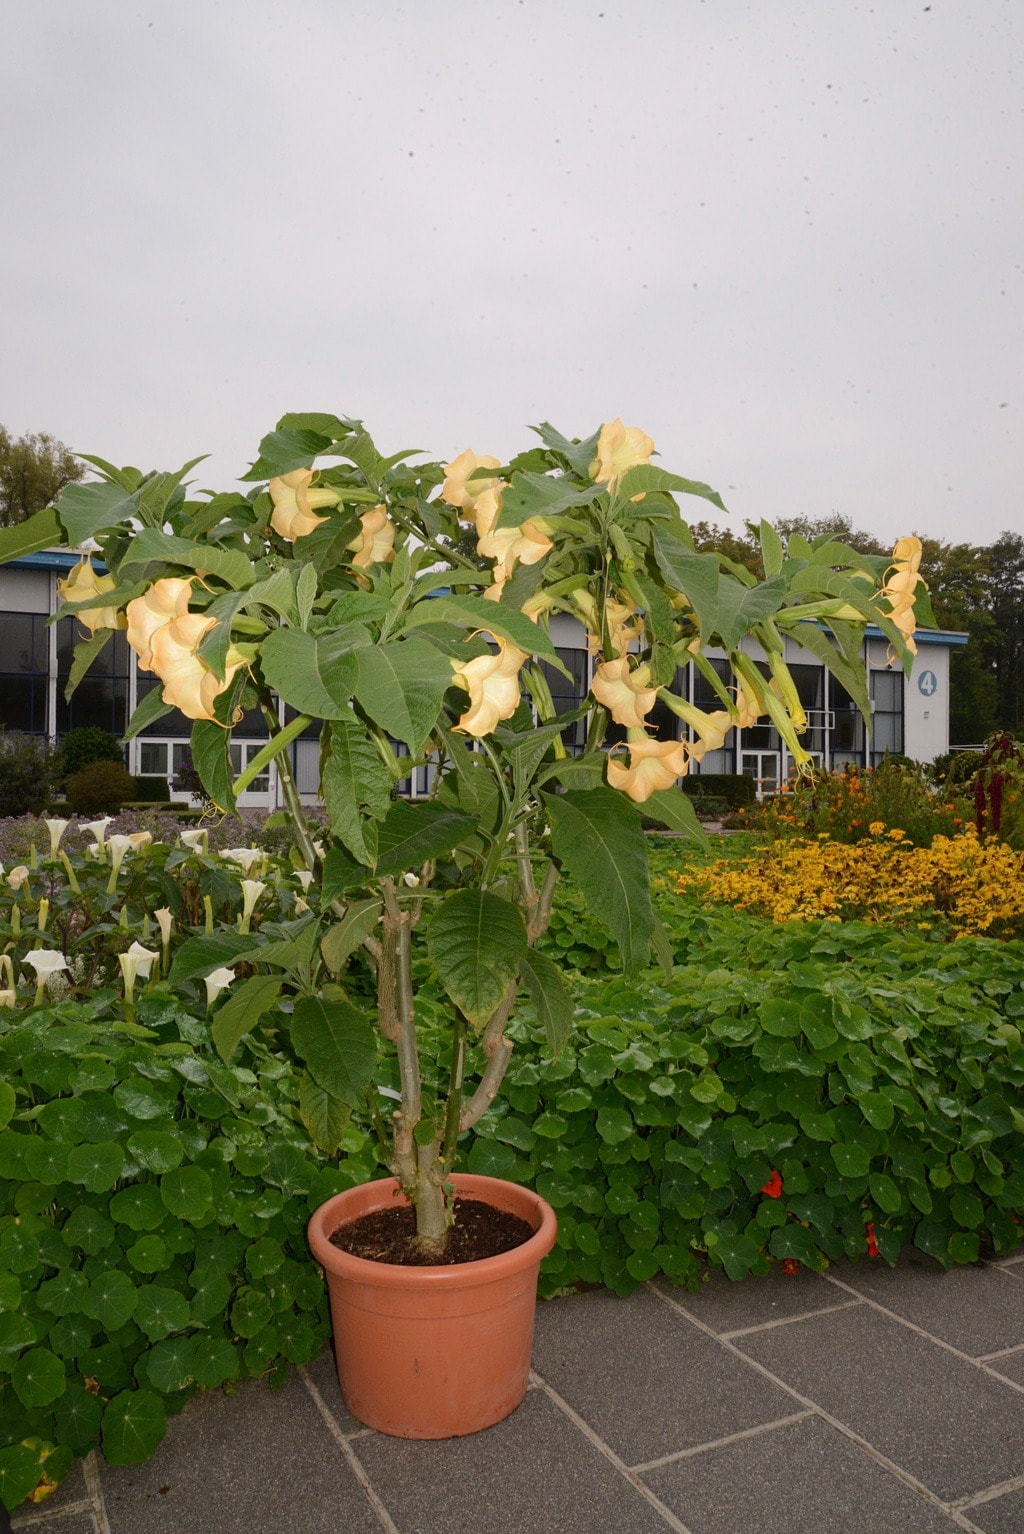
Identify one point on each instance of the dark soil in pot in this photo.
(388, 1235)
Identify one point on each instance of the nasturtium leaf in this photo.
(133, 1424)
(63, 1294)
(251, 1312)
(76, 1417)
(160, 1311)
(851, 1160)
(795, 1242)
(16, 1332)
(96, 1167)
(211, 1296)
(216, 1362)
(488, 1158)
(964, 1246)
(735, 1251)
(10, 1292)
(188, 1193)
(597, 835)
(476, 941)
(46, 1160)
(877, 1109)
(614, 1125)
(148, 1255)
(156, 1149)
(140, 1207)
(19, 1249)
(19, 1474)
(338, 1044)
(111, 1299)
(170, 1364)
(143, 1099)
(885, 1193)
(87, 1230)
(7, 1102)
(966, 1208)
(818, 1126)
(38, 1377)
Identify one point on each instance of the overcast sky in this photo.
(785, 237)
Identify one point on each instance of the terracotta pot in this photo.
(433, 1352)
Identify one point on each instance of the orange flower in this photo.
(653, 765)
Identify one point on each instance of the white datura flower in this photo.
(83, 585)
(195, 841)
(252, 889)
(492, 682)
(45, 962)
(140, 840)
(216, 981)
(119, 845)
(294, 497)
(305, 878)
(97, 829)
(56, 829)
(17, 877)
(135, 962)
(9, 993)
(245, 857)
(619, 449)
(165, 921)
(653, 765)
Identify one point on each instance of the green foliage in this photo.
(26, 773)
(102, 787)
(735, 788)
(34, 469)
(881, 1075)
(150, 791)
(844, 805)
(78, 748)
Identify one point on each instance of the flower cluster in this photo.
(849, 804)
(960, 883)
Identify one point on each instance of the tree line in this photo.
(974, 589)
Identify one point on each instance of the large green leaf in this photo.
(86, 651)
(739, 607)
(674, 809)
(133, 1424)
(243, 1009)
(150, 708)
(543, 981)
(292, 447)
(645, 477)
(86, 510)
(597, 835)
(414, 833)
(356, 788)
(472, 612)
(43, 531)
(531, 495)
(326, 1117)
(316, 676)
(476, 941)
(694, 576)
(342, 940)
(197, 956)
(213, 763)
(401, 685)
(337, 1042)
(152, 545)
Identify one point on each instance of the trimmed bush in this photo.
(100, 788)
(151, 791)
(735, 788)
(78, 748)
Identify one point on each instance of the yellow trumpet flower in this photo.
(375, 543)
(294, 498)
(624, 694)
(653, 765)
(81, 586)
(164, 601)
(466, 495)
(189, 684)
(492, 682)
(710, 729)
(619, 449)
(900, 585)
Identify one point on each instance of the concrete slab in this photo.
(977, 1309)
(324, 1376)
(937, 1416)
(261, 1460)
(799, 1479)
(646, 1379)
(534, 1473)
(1003, 1515)
(60, 1523)
(728, 1307)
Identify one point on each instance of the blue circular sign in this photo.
(928, 683)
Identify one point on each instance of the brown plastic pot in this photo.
(433, 1352)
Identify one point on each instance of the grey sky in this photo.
(786, 237)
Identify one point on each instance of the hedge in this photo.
(736, 789)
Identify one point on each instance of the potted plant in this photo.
(407, 608)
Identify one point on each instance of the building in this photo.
(909, 715)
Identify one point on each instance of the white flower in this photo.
(411, 880)
(8, 996)
(17, 876)
(165, 921)
(252, 889)
(218, 980)
(195, 841)
(97, 829)
(305, 878)
(140, 840)
(56, 829)
(300, 906)
(245, 857)
(137, 961)
(118, 845)
(45, 962)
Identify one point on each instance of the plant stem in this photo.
(292, 801)
(453, 1108)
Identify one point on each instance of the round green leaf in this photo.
(851, 1160)
(160, 1311)
(211, 1297)
(142, 1099)
(264, 1257)
(46, 1161)
(16, 1332)
(19, 1474)
(818, 1126)
(170, 1365)
(140, 1207)
(71, 1336)
(964, 1246)
(187, 1193)
(76, 1418)
(133, 1424)
(111, 1300)
(967, 1208)
(38, 1377)
(96, 1167)
(489, 1159)
(87, 1230)
(250, 1313)
(216, 1363)
(642, 1266)
(885, 1193)
(148, 1255)
(877, 1109)
(156, 1150)
(614, 1125)
(63, 1294)
(7, 1100)
(10, 1292)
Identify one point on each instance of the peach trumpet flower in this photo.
(165, 600)
(492, 682)
(82, 585)
(375, 542)
(619, 449)
(625, 694)
(294, 497)
(653, 765)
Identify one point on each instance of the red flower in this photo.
(872, 1243)
(791, 1266)
(773, 1187)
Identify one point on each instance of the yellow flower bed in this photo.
(976, 886)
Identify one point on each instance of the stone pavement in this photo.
(863, 1399)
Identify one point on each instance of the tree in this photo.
(958, 580)
(1005, 582)
(33, 471)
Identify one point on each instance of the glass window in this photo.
(886, 689)
(101, 697)
(153, 759)
(173, 723)
(23, 652)
(23, 704)
(568, 694)
(847, 743)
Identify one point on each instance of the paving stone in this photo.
(1012, 1367)
(60, 1523)
(975, 1309)
(644, 1378)
(324, 1374)
(1003, 1515)
(71, 1489)
(534, 1473)
(937, 1416)
(725, 1306)
(799, 1479)
(261, 1460)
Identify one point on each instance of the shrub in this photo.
(101, 788)
(735, 788)
(151, 791)
(844, 805)
(999, 790)
(26, 773)
(78, 748)
(954, 770)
